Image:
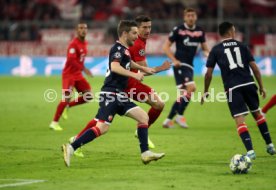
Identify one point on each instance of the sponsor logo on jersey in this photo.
(187, 42)
(190, 33)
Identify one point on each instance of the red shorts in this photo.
(81, 84)
(137, 90)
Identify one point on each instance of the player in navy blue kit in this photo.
(114, 101)
(235, 60)
(187, 37)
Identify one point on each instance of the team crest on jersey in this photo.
(110, 117)
(127, 53)
(142, 52)
(72, 50)
(117, 55)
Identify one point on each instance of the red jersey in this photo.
(138, 51)
(76, 52)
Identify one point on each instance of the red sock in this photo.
(271, 103)
(92, 123)
(153, 115)
(61, 106)
(76, 102)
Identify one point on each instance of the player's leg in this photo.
(141, 117)
(67, 90)
(269, 104)
(89, 135)
(84, 88)
(185, 96)
(179, 79)
(252, 101)
(146, 94)
(238, 111)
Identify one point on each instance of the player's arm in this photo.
(87, 72)
(144, 69)
(205, 49)
(207, 82)
(117, 68)
(167, 49)
(72, 57)
(257, 74)
(165, 66)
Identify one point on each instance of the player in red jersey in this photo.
(72, 76)
(136, 89)
(269, 104)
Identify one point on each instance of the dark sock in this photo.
(184, 101)
(89, 135)
(245, 136)
(262, 125)
(142, 132)
(174, 109)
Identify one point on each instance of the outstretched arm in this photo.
(205, 49)
(207, 82)
(257, 74)
(117, 68)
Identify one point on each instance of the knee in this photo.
(144, 119)
(103, 128)
(158, 105)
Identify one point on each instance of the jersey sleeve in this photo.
(211, 60)
(173, 35)
(203, 39)
(72, 57)
(116, 56)
(137, 53)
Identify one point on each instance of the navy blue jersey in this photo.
(233, 59)
(187, 41)
(113, 81)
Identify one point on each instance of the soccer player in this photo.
(269, 104)
(187, 38)
(235, 60)
(113, 99)
(72, 76)
(136, 89)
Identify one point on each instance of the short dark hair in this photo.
(125, 26)
(188, 10)
(224, 28)
(142, 18)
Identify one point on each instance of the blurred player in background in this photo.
(72, 76)
(113, 99)
(135, 88)
(235, 60)
(187, 38)
(269, 104)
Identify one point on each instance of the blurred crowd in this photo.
(15, 13)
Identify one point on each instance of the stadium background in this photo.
(34, 35)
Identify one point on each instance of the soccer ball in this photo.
(240, 164)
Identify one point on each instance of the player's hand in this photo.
(176, 63)
(138, 76)
(166, 65)
(87, 72)
(263, 92)
(204, 96)
(148, 70)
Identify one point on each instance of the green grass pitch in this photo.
(196, 158)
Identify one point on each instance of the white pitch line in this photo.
(20, 182)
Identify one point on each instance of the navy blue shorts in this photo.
(112, 104)
(243, 98)
(183, 75)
